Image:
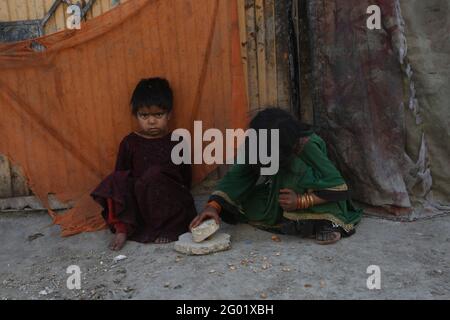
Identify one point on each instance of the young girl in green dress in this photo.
(308, 195)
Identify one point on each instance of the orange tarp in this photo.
(64, 110)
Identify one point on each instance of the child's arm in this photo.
(123, 161)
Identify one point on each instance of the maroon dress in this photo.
(150, 194)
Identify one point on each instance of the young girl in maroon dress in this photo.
(147, 198)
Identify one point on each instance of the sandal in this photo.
(328, 235)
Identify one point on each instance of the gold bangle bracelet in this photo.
(308, 201)
(311, 200)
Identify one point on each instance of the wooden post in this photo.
(282, 19)
(252, 58)
(264, 31)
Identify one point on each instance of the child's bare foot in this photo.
(118, 242)
(162, 240)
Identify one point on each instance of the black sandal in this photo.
(327, 234)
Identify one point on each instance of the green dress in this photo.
(255, 197)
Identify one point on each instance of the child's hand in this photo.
(288, 200)
(207, 213)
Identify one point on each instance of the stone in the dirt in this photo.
(118, 258)
(46, 291)
(218, 242)
(276, 238)
(204, 230)
(34, 236)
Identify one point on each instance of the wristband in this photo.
(214, 205)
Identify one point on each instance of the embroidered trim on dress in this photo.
(318, 216)
(342, 187)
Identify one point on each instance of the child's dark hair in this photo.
(290, 130)
(152, 92)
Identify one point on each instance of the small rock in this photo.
(118, 258)
(46, 291)
(263, 296)
(244, 262)
(204, 230)
(167, 284)
(212, 271)
(286, 269)
(178, 287)
(121, 271)
(34, 236)
(276, 238)
(322, 284)
(308, 285)
(278, 254)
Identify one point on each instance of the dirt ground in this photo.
(414, 260)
